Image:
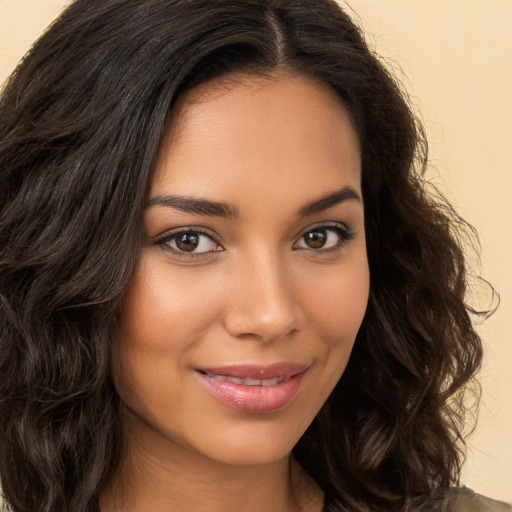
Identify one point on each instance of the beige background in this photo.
(456, 61)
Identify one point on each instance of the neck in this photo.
(153, 479)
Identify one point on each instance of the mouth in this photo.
(248, 381)
(255, 372)
(254, 388)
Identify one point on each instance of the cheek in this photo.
(161, 323)
(339, 303)
(335, 310)
(162, 309)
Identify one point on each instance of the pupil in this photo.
(316, 239)
(187, 242)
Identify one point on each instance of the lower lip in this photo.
(254, 399)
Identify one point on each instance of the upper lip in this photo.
(257, 371)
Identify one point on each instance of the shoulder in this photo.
(462, 499)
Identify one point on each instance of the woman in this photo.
(217, 253)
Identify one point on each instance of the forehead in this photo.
(281, 127)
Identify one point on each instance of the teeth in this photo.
(248, 381)
(271, 382)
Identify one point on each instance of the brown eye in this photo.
(187, 242)
(316, 239)
(324, 238)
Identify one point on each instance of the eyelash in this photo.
(174, 235)
(342, 231)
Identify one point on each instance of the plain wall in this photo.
(456, 60)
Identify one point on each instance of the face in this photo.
(253, 279)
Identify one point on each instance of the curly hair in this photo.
(82, 119)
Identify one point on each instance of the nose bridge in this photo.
(264, 304)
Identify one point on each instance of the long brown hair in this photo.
(82, 119)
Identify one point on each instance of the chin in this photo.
(262, 440)
(251, 452)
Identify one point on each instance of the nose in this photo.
(263, 303)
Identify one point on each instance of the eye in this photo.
(190, 241)
(324, 238)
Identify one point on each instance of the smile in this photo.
(254, 388)
(249, 381)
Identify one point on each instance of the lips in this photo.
(248, 381)
(254, 388)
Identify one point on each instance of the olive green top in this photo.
(463, 499)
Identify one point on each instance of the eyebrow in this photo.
(193, 205)
(330, 200)
(219, 209)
